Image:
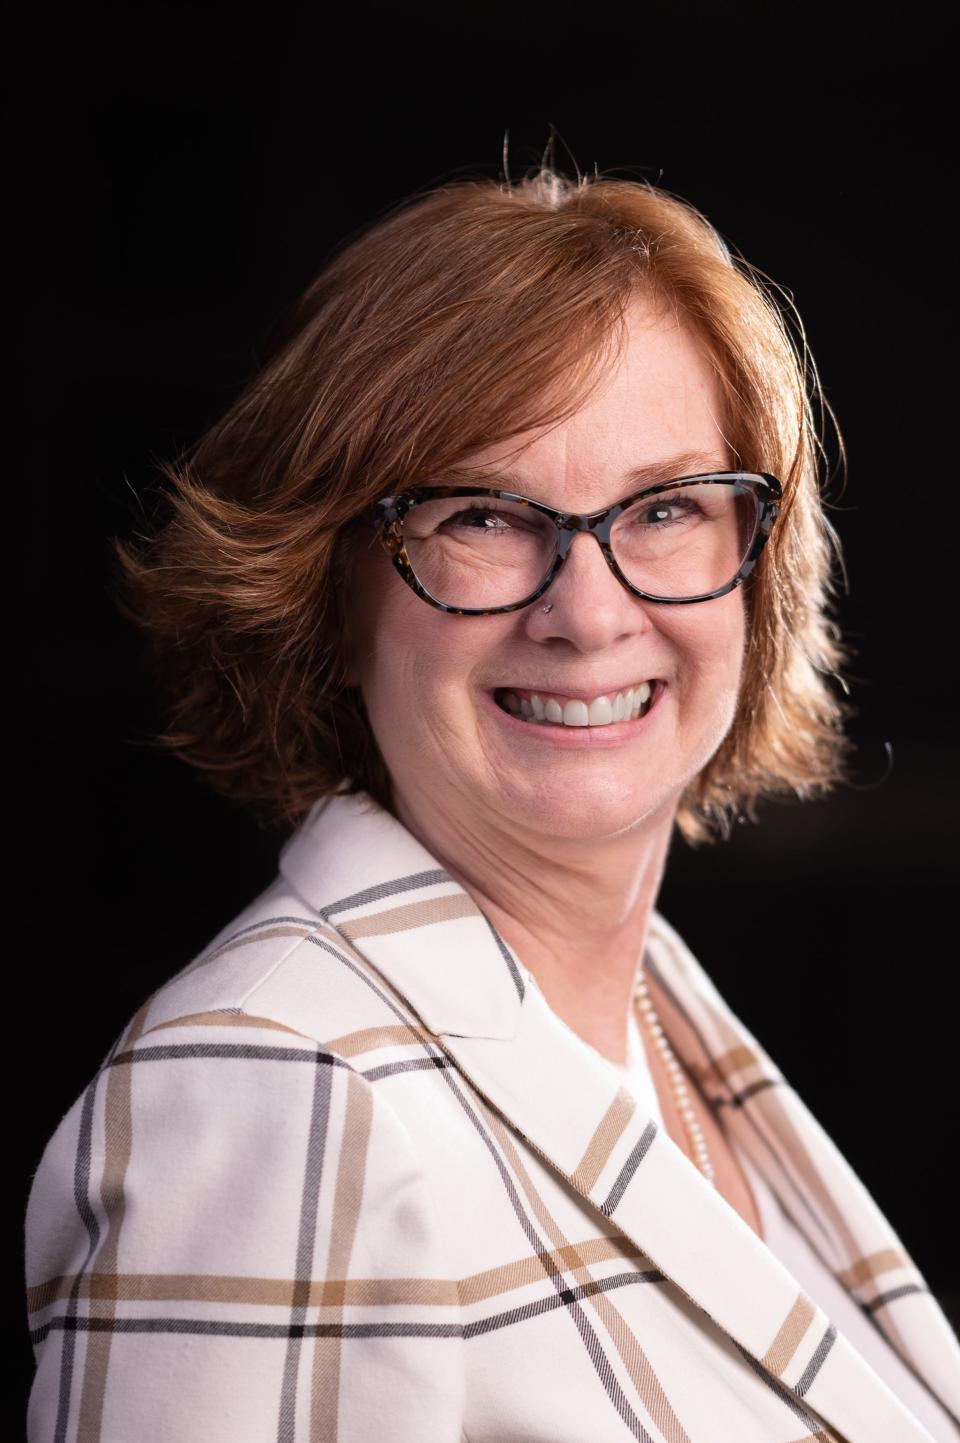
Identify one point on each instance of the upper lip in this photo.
(577, 693)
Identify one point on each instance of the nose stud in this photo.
(548, 606)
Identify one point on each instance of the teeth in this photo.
(602, 711)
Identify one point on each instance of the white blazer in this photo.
(348, 1177)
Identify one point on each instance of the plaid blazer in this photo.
(348, 1177)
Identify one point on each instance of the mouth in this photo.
(549, 709)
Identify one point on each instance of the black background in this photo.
(188, 169)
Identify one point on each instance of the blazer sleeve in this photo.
(229, 1238)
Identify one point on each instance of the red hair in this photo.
(467, 314)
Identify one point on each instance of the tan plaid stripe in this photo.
(346, 1167)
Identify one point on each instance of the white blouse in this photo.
(790, 1245)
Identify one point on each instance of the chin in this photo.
(588, 806)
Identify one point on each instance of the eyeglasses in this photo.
(477, 551)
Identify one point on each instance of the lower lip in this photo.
(556, 735)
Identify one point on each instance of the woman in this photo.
(448, 1135)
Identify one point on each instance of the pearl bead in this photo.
(698, 1145)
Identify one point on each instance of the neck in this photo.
(576, 913)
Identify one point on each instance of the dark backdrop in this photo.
(188, 169)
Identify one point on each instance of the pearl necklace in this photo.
(680, 1093)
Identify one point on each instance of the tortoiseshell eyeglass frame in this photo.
(388, 513)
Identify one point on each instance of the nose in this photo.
(590, 604)
(585, 565)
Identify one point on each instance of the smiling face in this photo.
(428, 677)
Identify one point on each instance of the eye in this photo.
(461, 519)
(482, 514)
(656, 512)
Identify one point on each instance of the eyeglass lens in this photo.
(479, 552)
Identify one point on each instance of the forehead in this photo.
(656, 414)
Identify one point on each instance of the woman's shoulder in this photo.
(228, 1159)
(277, 962)
(212, 1097)
(214, 1050)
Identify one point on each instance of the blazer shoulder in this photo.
(279, 961)
(226, 1170)
(230, 966)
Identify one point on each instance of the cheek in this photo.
(715, 640)
(408, 650)
(383, 623)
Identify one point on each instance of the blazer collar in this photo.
(374, 882)
(359, 867)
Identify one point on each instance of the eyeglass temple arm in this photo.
(379, 511)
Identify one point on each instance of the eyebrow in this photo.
(670, 468)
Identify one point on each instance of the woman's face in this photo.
(428, 677)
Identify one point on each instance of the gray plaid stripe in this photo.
(638, 1153)
(592, 1343)
(816, 1362)
(310, 1193)
(737, 1100)
(786, 1395)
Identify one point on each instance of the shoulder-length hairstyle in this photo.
(468, 314)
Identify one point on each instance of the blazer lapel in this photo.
(376, 884)
(812, 1179)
